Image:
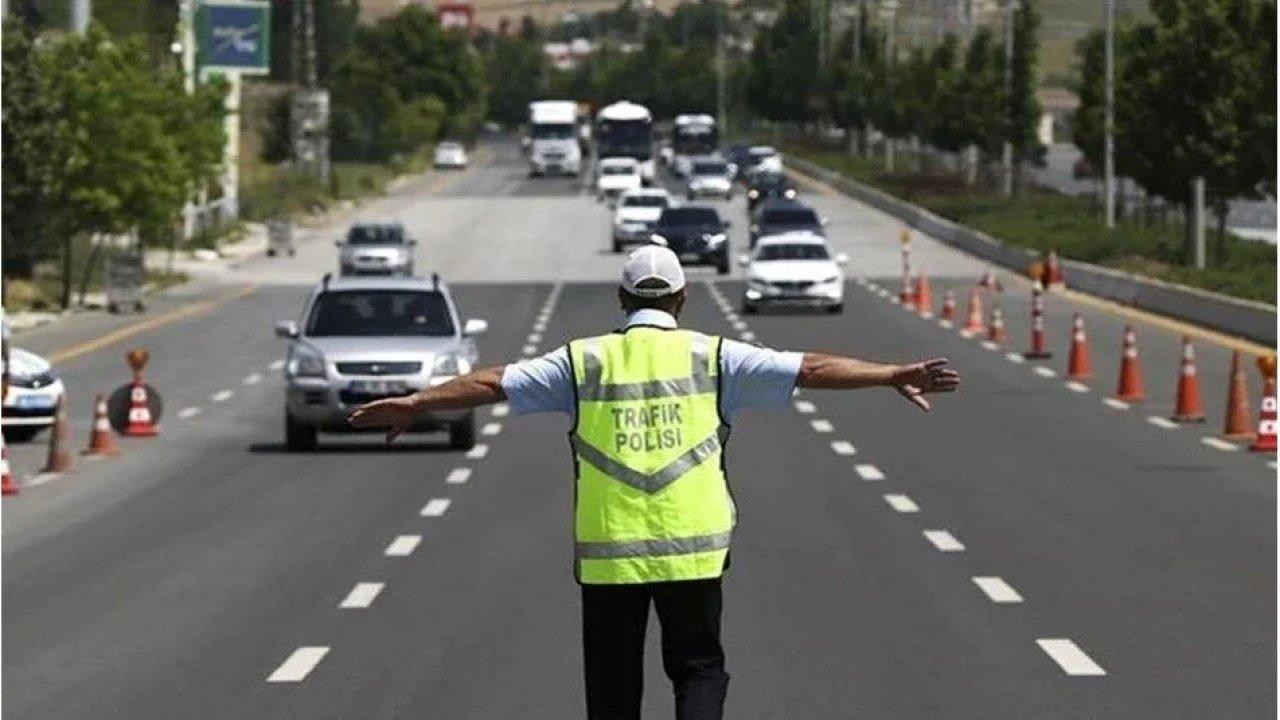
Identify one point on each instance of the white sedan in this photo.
(636, 214)
(795, 268)
(615, 176)
(32, 396)
(451, 155)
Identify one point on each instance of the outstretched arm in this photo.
(913, 381)
(482, 387)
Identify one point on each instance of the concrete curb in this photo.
(1243, 318)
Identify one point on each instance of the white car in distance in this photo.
(710, 176)
(635, 214)
(451, 155)
(796, 269)
(615, 176)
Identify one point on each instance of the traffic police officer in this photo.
(650, 405)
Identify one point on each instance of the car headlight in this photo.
(830, 280)
(753, 194)
(790, 193)
(304, 361)
(715, 238)
(450, 364)
(33, 381)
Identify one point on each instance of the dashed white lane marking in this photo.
(534, 338)
(732, 317)
(478, 452)
(253, 379)
(882, 292)
(1043, 371)
(492, 428)
(868, 472)
(402, 546)
(989, 345)
(997, 589)
(41, 478)
(843, 447)
(530, 350)
(188, 413)
(944, 323)
(1075, 386)
(458, 476)
(1164, 423)
(747, 336)
(221, 395)
(943, 540)
(298, 665)
(895, 299)
(435, 507)
(822, 426)
(500, 410)
(361, 596)
(1271, 464)
(1115, 404)
(276, 365)
(1014, 358)
(1070, 657)
(805, 407)
(1220, 444)
(901, 503)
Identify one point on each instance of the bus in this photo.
(692, 135)
(625, 129)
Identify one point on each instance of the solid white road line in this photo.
(1115, 404)
(1014, 358)
(1070, 657)
(997, 589)
(402, 546)
(805, 407)
(187, 413)
(822, 426)
(868, 472)
(943, 540)
(1043, 371)
(253, 379)
(361, 596)
(221, 395)
(1075, 386)
(500, 410)
(1219, 444)
(298, 665)
(435, 507)
(901, 503)
(843, 447)
(276, 365)
(458, 476)
(477, 452)
(492, 428)
(1164, 423)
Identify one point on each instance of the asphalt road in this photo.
(1024, 551)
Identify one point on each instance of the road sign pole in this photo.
(1197, 222)
(1109, 125)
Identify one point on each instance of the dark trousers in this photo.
(613, 626)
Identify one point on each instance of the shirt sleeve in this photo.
(755, 377)
(541, 384)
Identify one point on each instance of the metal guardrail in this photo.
(1243, 318)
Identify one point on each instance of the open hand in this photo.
(931, 376)
(395, 414)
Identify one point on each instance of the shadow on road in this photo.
(347, 449)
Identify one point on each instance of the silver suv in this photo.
(376, 249)
(360, 339)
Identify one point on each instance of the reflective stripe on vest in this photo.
(652, 502)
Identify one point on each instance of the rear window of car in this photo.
(797, 251)
(617, 169)
(710, 168)
(644, 201)
(380, 313)
(789, 216)
(770, 182)
(689, 216)
(376, 235)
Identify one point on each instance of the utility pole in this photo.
(309, 107)
(81, 14)
(1109, 121)
(721, 115)
(889, 11)
(1009, 7)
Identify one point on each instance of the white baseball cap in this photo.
(652, 271)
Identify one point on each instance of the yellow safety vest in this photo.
(652, 503)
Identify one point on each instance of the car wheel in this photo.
(21, 433)
(749, 308)
(722, 265)
(617, 245)
(689, 195)
(271, 252)
(298, 437)
(835, 309)
(462, 434)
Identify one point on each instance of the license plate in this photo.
(690, 257)
(378, 387)
(35, 402)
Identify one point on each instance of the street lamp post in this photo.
(1007, 160)
(1109, 140)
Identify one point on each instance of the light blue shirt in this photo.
(750, 376)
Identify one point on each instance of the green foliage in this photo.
(1023, 108)
(335, 28)
(784, 80)
(516, 72)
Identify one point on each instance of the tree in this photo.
(516, 69)
(784, 84)
(1023, 107)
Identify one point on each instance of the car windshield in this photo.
(449, 147)
(651, 201)
(689, 216)
(553, 131)
(796, 251)
(617, 169)
(770, 182)
(376, 235)
(758, 154)
(789, 216)
(710, 168)
(380, 313)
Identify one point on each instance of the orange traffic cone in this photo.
(1238, 425)
(101, 440)
(974, 323)
(59, 459)
(1266, 441)
(948, 305)
(1130, 388)
(1188, 408)
(1038, 350)
(7, 485)
(1053, 272)
(1079, 364)
(995, 330)
(924, 297)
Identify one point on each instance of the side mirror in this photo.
(474, 327)
(842, 259)
(744, 259)
(287, 329)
